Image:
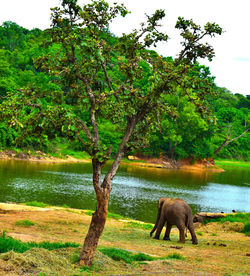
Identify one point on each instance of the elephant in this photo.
(174, 211)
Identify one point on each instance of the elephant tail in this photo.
(160, 203)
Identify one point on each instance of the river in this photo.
(135, 189)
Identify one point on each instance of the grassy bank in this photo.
(63, 152)
(125, 247)
(232, 163)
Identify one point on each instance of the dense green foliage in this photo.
(184, 130)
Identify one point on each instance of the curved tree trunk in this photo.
(95, 230)
(102, 190)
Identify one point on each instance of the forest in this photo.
(200, 120)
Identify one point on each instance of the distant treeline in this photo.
(184, 131)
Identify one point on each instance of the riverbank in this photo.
(38, 156)
(220, 251)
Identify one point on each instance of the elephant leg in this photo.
(159, 227)
(167, 233)
(152, 231)
(181, 228)
(191, 230)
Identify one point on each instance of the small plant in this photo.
(213, 234)
(199, 233)
(24, 222)
(74, 258)
(36, 204)
(84, 268)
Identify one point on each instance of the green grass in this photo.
(89, 213)
(24, 222)
(232, 163)
(36, 204)
(64, 149)
(145, 226)
(115, 216)
(110, 215)
(74, 258)
(9, 243)
(199, 233)
(239, 217)
(43, 205)
(130, 257)
(175, 256)
(125, 256)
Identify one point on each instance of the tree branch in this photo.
(131, 123)
(86, 130)
(226, 142)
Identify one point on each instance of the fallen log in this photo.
(201, 217)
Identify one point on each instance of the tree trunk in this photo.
(95, 230)
(102, 190)
(172, 150)
(220, 147)
(99, 217)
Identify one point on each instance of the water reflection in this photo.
(135, 190)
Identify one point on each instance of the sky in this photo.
(231, 65)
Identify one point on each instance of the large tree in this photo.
(116, 79)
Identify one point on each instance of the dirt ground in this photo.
(219, 252)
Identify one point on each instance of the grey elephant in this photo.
(174, 212)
